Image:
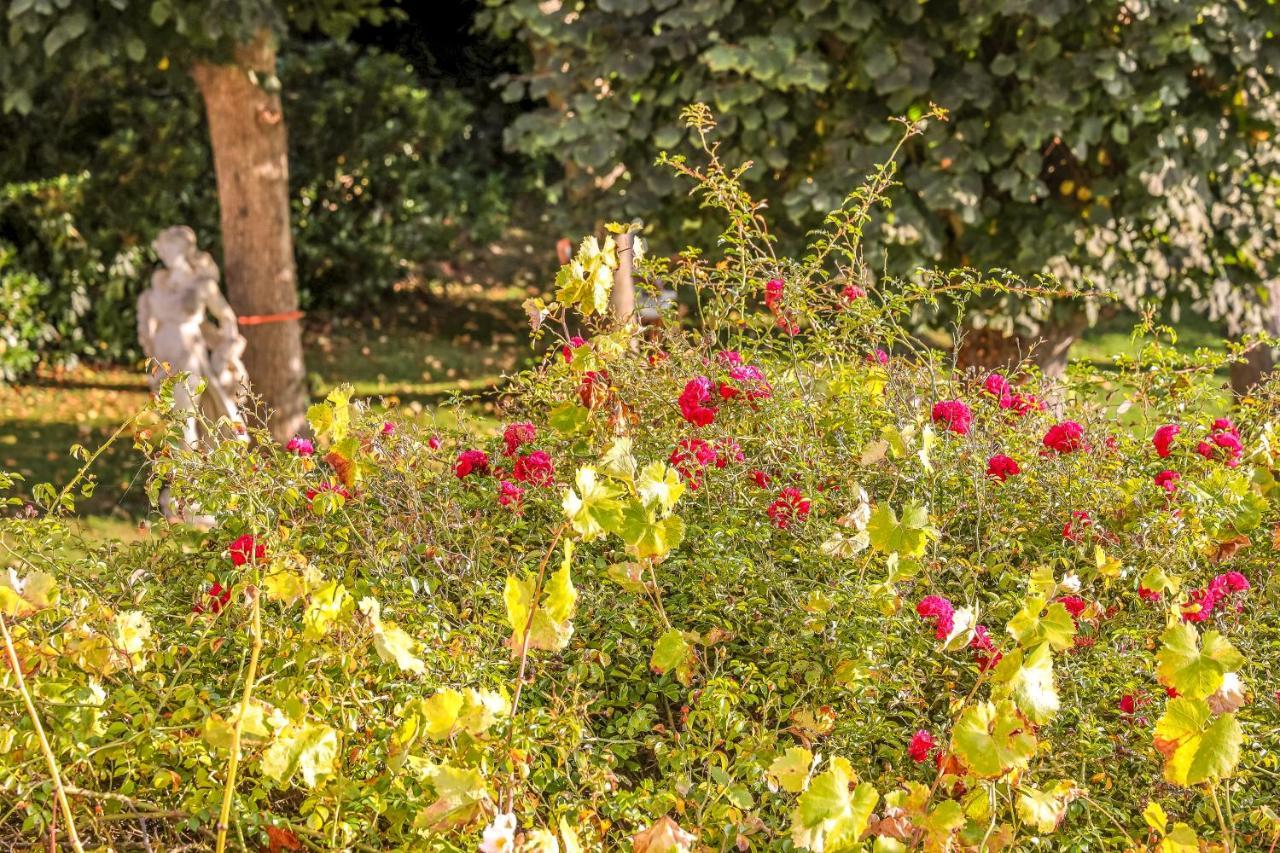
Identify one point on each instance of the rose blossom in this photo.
(246, 548)
(1163, 439)
(1001, 467)
(696, 393)
(939, 609)
(517, 435)
(471, 461)
(922, 743)
(1064, 437)
(954, 414)
(791, 506)
(300, 446)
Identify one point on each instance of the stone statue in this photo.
(175, 332)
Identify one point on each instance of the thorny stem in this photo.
(50, 759)
(657, 595)
(233, 762)
(1228, 841)
(1133, 844)
(84, 469)
(524, 652)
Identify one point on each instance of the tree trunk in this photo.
(250, 157)
(1246, 374)
(991, 349)
(1260, 359)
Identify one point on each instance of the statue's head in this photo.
(204, 264)
(173, 244)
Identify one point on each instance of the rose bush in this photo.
(846, 597)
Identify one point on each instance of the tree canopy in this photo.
(1128, 143)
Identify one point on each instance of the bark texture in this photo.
(1260, 359)
(991, 349)
(250, 157)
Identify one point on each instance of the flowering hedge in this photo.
(768, 577)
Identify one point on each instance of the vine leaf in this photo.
(1196, 672)
(1195, 749)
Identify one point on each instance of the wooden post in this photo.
(623, 298)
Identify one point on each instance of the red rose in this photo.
(696, 393)
(790, 507)
(534, 468)
(997, 386)
(1065, 437)
(246, 548)
(1163, 439)
(953, 414)
(471, 462)
(1168, 480)
(939, 609)
(1001, 467)
(517, 435)
(922, 743)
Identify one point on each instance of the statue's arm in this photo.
(220, 310)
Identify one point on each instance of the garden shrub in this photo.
(770, 577)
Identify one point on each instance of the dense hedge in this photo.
(770, 577)
(1133, 145)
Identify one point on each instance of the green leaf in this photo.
(307, 748)
(461, 793)
(1035, 624)
(260, 719)
(672, 653)
(481, 709)
(329, 605)
(440, 713)
(1196, 750)
(1183, 665)
(660, 485)
(332, 418)
(592, 510)
(587, 280)
(908, 537)
(649, 536)
(941, 823)
(1181, 839)
(790, 771)
(964, 622)
(561, 594)
(568, 418)
(827, 817)
(1029, 680)
(992, 739)
(70, 26)
(1045, 809)
(551, 628)
(393, 645)
(20, 597)
(1155, 817)
(132, 630)
(286, 584)
(618, 462)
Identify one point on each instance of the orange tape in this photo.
(261, 319)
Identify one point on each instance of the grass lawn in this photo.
(446, 340)
(421, 350)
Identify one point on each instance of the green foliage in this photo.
(456, 654)
(1091, 139)
(381, 175)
